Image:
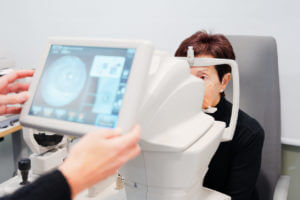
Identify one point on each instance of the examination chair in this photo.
(260, 98)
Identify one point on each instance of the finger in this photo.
(14, 98)
(11, 77)
(13, 110)
(111, 136)
(17, 87)
(9, 110)
(116, 133)
(2, 109)
(112, 133)
(129, 139)
(3, 84)
(18, 74)
(129, 154)
(107, 133)
(132, 152)
(121, 159)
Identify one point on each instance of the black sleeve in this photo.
(245, 166)
(52, 186)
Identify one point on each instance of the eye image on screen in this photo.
(59, 81)
(83, 84)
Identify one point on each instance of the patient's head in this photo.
(216, 78)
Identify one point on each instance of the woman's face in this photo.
(212, 84)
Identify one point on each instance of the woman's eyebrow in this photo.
(200, 69)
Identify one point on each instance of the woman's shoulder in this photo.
(245, 121)
(248, 122)
(248, 129)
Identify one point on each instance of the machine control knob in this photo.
(24, 166)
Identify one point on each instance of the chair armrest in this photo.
(282, 188)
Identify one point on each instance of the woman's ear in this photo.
(225, 81)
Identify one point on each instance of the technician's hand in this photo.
(97, 156)
(8, 85)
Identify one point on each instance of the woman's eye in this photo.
(203, 77)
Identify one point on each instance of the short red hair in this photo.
(216, 45)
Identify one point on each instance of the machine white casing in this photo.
(44, 159)
(28, 136)
(178, 139)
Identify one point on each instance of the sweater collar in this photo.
(220, 108)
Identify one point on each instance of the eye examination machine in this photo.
(84, 85)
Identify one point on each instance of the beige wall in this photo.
(291, 167)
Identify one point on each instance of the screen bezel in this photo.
(131, 100)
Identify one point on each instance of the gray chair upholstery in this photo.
(260, 98)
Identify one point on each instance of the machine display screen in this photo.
(83, 84)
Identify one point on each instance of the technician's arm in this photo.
(245, 166)
(50, 186)
(95, 157)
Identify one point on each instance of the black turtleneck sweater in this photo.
(235, 166)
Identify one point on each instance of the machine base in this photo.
(111, 193)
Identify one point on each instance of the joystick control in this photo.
(24, 166)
